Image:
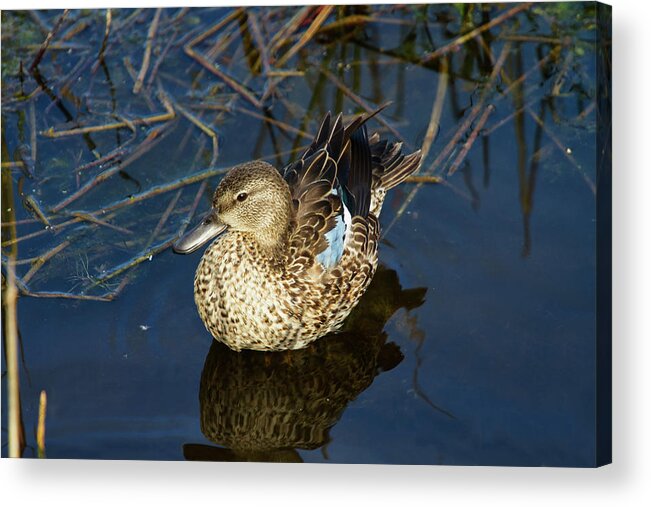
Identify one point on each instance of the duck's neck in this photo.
(272, 235)
(272, 242)
(274, 238)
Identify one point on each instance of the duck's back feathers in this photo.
(390, 166)
(329, 184)
(342, 175)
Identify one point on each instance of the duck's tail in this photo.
(389, 168)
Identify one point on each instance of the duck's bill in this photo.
(208, 229)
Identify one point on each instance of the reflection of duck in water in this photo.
(263, 406)
(297, 247)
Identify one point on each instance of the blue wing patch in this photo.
(336, 238)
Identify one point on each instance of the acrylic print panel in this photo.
(483, 337)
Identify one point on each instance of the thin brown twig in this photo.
(57, 228)
(583, 114)
(11, 165)
(65, 295)
(456, 190)
(193, 208)
(117, 152)
(38, 263)
(130, 68)
(145, 120)
(484, 45)
(74, 30)
(459, 41)
(62, 46)
(151, 34)
(20, 262)
(513, 83)
(474, 112)
(31, 204)
(195, 120)
(132, 73)
(285, 73)
(454, 141)
(353, 19)
(212, 107)
(40, 431)
(543, 61)
(32, 129)
(231, 82)
(437, 109)
(285, 126)
(471, 139)
(203, 61)
(507, 118)
(225, 39)
(256, 34)
(159, 61)
(131, 19)
(286, 152)
(174, 79)
(145, 256)
(281, 37)
(539, 39)
(232, 16)
(107, 32)
(165, 216)
(463, 128)
(154, 137)
(22, 221)
(179, 15)
(426, 178)
(307, 36)
(363, 104)
(48, 39)
(561, 75)
(87, 217)
(120, 27)
(161, 189)
(9, 300)
(432, 128)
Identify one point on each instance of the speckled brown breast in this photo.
(248, 301)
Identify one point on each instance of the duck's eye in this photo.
(242, 196)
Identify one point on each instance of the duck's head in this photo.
(252, 198)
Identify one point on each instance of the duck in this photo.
(292, 250)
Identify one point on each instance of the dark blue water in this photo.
(476, 344)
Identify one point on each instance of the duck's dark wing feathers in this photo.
(335, 171)
(359, 179)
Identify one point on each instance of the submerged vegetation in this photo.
(117, 124)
